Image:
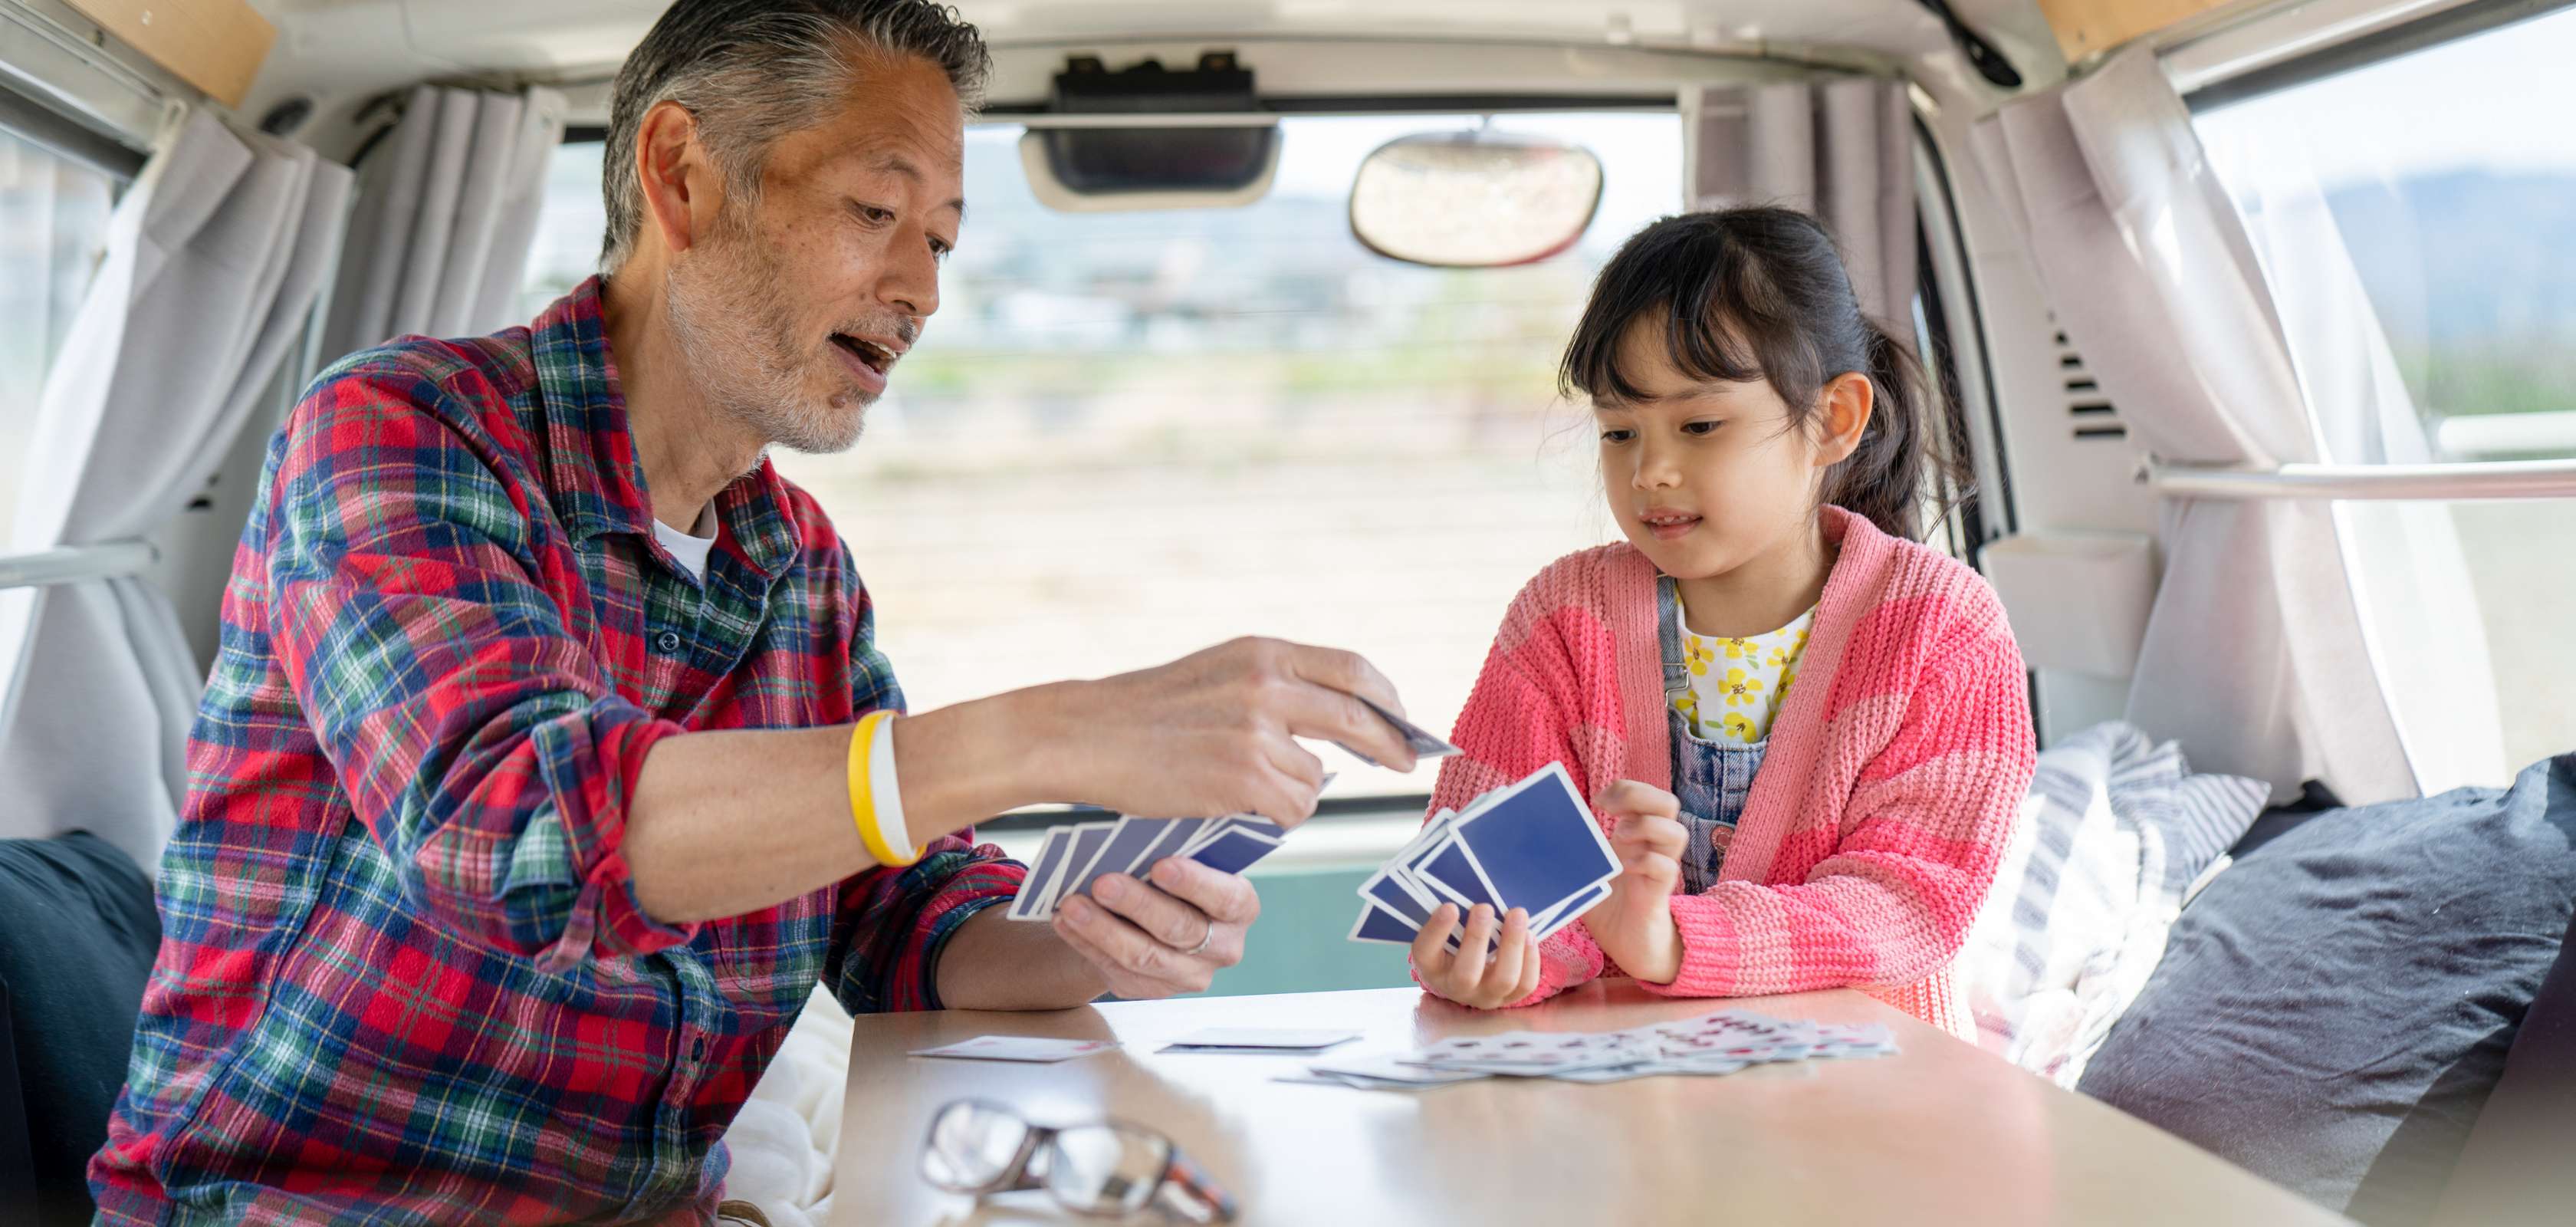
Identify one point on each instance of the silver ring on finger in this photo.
(1204, 939)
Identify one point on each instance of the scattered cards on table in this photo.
(1074, 858)
(1719, 1043)
(1268, 1040)
(1017, 1048)
(1532, 845)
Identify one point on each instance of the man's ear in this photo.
(682, 191)
(1843, 410)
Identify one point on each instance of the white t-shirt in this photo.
(690, 551)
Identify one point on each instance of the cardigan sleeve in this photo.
(1518, 719)
(1924, 831)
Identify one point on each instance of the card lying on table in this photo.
(1259, 1039)
(1016, 1048)
(1533, 845)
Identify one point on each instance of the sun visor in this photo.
(1147, 137)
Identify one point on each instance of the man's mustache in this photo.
(901, 327)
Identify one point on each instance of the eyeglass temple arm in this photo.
(1187, 1192)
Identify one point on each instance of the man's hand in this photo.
(1146, 942)
(1214, 733)
(1634, 926)
(1469, 977)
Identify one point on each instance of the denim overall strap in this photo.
(1711, 781)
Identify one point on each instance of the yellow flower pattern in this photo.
(1697, 652)
(1736, 703)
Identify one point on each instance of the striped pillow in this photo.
(2114, 836)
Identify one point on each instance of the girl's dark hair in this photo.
(1748, 294)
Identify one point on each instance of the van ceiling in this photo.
(332, 49)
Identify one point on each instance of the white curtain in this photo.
(213, 260)
(1841, 151)
(2257, 657)
(54, 213)
(2411, 579)
(448, 203)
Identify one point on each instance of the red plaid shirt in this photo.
(403, 976)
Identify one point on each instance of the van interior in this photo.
(2255, 322)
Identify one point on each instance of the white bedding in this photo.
(783, 1140)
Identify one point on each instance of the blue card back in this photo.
(1233, 851)
(1539, 846)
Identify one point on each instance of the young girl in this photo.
(1806, 734)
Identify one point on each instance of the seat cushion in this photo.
(2332, 1011)
(77, 938)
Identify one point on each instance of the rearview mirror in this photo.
(1474, 199)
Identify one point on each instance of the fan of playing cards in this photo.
(1719, 1043)
(1075, 857)
(1532, 845)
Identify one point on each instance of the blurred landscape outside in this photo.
(2451, 174)
(1128, 436)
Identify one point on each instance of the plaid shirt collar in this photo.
(591, 472)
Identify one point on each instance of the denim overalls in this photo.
(1709, 779)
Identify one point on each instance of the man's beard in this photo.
(737, 335)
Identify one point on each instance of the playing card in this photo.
(1283, 1038)
(1392, 1069)
(1262, 827)
(1126, 845)
(1234, 851)
(1178, 834)
(1044, 869)
(1424, 745)
(1534, 847)
(1389, 892)
(1016, 1048)
(1451, 872)
(1546, 924)
(1535, 1052)
(1087, 839)
(1376, 924)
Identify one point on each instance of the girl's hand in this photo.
(1468, 977)
(1634, 926)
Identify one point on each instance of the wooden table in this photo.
(1941, 1133)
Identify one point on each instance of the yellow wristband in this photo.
(865, 781)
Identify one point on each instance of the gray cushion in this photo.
(78, 934)
(2332, 1011)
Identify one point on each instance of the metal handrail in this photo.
(2491, 479)
(72, 564)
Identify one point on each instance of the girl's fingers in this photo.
(1632, 797)
(1471, 968)
(1665, 836)
(1506, 969)
(1530, 968)
(1431, 955)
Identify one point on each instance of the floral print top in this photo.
(1737, 685)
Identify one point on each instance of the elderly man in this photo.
(537, 783)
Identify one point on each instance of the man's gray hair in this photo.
(752, 71)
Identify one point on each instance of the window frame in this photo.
(2439, 481)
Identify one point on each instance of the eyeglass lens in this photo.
(1107, 1169)
(972, 1146)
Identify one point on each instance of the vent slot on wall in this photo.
(2088, 410)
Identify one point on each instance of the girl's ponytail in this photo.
(1887, 480)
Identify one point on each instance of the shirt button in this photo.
(698, 1051)
(667, 642)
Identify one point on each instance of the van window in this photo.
(53, 223)
(1126, 436)
(2449, 176)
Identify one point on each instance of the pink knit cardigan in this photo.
(1894, 769)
